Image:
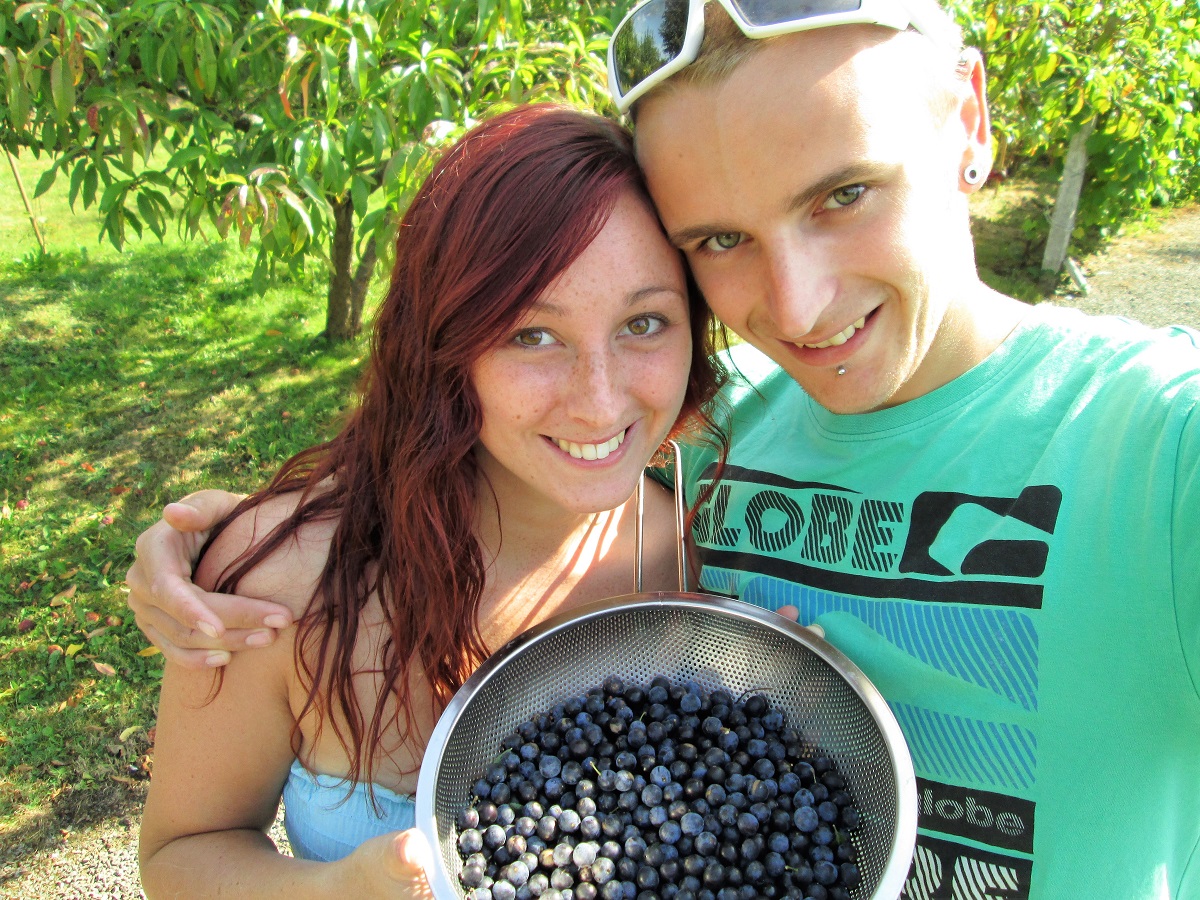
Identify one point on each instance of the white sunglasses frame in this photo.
(891, 13)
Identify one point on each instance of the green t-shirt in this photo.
(1014, 561)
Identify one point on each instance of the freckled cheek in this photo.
(660, 379)
(515, 395)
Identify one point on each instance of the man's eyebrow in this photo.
(851, 174)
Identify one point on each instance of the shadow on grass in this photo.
(135, 363)
(72, 810)
(123, 384)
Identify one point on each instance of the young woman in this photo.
(538, 344)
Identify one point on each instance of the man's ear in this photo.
(973, 112)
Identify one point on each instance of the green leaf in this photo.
(77, 175)
(185, 155)
(359, 194)
(1046, 68)
(90, 183)
(62, 89)
(45, 181)
(109, 199)
(168, 63)
(357, 80)
(150, 214)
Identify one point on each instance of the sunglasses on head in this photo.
(660, 37)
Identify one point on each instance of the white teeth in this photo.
(591, 451)
(841, 337)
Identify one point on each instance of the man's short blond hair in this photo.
(725, 47)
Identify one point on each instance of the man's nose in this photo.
(799, 286)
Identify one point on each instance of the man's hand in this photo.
(192, 627)
(793, 613)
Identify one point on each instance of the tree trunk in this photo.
(362, 281)
(343, 318)
(1063, 220)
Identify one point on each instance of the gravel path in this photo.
(1152, 276)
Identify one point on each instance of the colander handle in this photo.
(680, 536)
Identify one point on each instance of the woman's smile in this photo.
(598, 450)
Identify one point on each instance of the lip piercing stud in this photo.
(841, 370)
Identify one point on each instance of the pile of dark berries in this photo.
(661, 791)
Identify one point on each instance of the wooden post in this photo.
(37, 232)
(1062, 222)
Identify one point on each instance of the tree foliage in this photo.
(301, 129)
(1132, 67)
(297, 128)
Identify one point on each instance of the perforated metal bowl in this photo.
(715, 642)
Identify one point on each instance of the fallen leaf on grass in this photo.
(73, 649)
(96, 632)
(119, 490)
(273, 332)
(149, 651)
(128, 782)
(87, 467)
(91, 616)
(129, 732)
(61, 598)
(104, 668)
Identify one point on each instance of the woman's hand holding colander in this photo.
(391, 865)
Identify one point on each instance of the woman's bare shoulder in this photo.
(289, 574)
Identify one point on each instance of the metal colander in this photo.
(716, 642)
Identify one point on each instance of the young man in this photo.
(993, 509)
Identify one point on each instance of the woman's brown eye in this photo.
(644, 325)
(531, 337)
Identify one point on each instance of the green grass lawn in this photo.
(127, 379)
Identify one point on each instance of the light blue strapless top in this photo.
(326, 818)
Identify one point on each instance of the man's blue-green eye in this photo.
(845, 196)
(725, 241)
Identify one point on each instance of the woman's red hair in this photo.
(503, 213)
